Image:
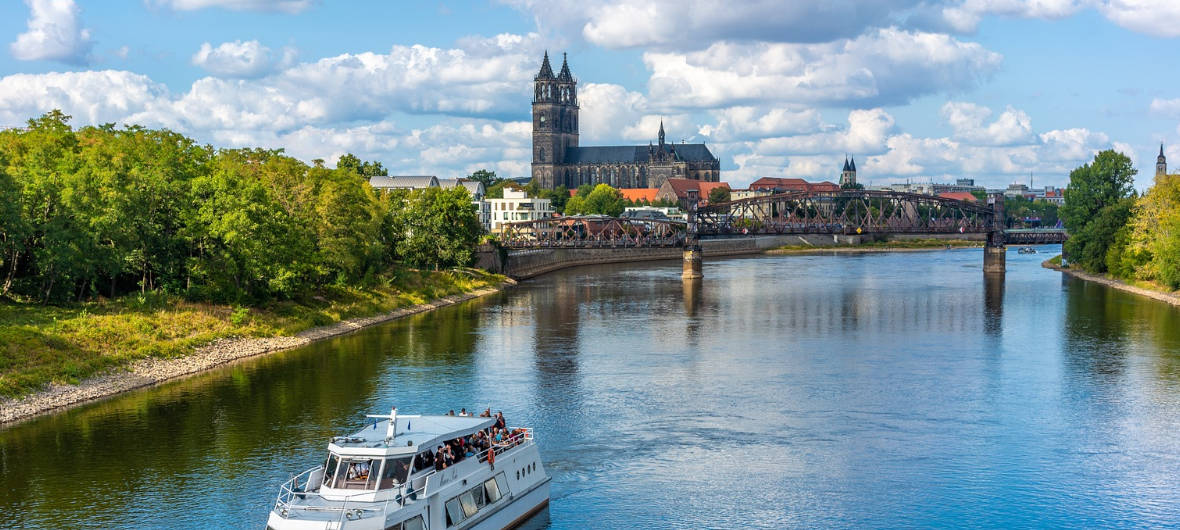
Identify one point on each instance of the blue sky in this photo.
(996, 90)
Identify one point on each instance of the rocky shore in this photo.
(149, 372)
(1116, 284)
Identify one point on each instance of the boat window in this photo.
(454, 512)
(354, 474)
(374, 473)
(502, 483)
(467, 501)
(395, 472)
(492, 490)
(330, 469)
(414, 523)
(480, 500)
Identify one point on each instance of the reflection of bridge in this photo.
(851, 212)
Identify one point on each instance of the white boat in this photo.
(381, 478)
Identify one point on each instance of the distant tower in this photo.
(1161, 163)
(848, 174)
(555, 122)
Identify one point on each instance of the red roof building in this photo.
(959, 196)
(677, 189)
(784, 185)
(639, 194)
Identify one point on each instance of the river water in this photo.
(885, 390)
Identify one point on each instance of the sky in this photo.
(916, 90)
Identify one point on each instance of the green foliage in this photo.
(440, 228)
(852, 186)
(1098, 203)
(1088, 246)
(719, 194)
(1018, 208)
(488, 178)
(106, 211)
(599, 200)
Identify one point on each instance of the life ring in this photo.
(492, 456)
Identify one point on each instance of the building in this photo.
(403, 182)
(558, 160)
(789, 185)
(639, 194)
(959, 196)
(1161, 163)
(517, 206)
(483, 209)
(848, 174)
(654, 212)
(677, 189)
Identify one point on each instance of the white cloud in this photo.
(242, 59)
(736, 123)
(965, 17)
(886, 66)
(1160, 18)
(866, 132)
(967, 119)
(280, 6)
(54, 33)
(92, 97)
(1166, 107)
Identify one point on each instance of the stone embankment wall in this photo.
(520, 264)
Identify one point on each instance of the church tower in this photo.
(1161, 163)
(848, 174)
(555, 123)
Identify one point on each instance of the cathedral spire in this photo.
(852, 163)
(845, 163)
(565, 74)
(661, 134)
(546, 70)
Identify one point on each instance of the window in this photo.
(355, 474)
(492, 490)
(467, 502)
(414, 523)
(454, 512)
(330, 469)
(480, 500)
(395, 472)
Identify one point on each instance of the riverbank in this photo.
(1155, 294)
(879, 246)
(126, 347)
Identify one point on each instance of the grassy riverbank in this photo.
(912, 244)
(67, 344)
(1144, 288)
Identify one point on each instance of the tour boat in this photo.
(381, 478)
(1027, 250)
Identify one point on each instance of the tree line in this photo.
(1114, 230)
(103, 211)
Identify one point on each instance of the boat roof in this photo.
(413, 432)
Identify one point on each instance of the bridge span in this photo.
(855, 215)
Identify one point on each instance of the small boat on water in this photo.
(385, 477)
(1027, 250)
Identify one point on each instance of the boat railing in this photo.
(299, 487)
(524, 435)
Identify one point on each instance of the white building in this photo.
(517, 206)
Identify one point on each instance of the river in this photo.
(883, 390)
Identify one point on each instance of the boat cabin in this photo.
(377, 463)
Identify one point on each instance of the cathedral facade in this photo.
(558, 160)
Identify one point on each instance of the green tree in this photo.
(1096, 207)
(719, 194)
(486, 177)
(604, 200)
(441, 229)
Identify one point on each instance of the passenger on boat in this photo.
(487, 413)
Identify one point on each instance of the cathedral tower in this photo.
(1161, 163)
(555, 123)
(848, 174)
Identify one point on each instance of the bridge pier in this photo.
(995, 251)
(692, 263)
(994, 259)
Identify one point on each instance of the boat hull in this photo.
(518, 511)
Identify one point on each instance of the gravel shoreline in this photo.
(1116, 284)
(148, 372)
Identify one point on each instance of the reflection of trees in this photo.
(180, 436)
(1102, 323)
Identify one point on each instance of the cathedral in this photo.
(558, 160)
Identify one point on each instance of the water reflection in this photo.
(877, 390)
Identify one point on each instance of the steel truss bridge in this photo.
(850, 212)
